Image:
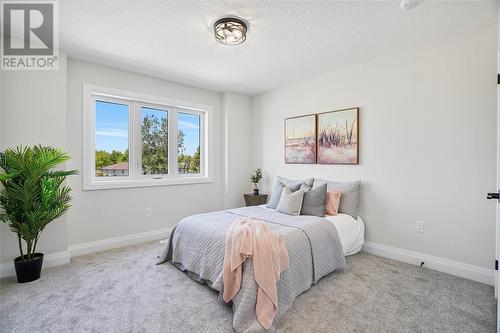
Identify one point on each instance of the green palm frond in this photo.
(61, 173)
(33, 193)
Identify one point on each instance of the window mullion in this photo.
(138, 140)
(172, 142)
(131, 139)
(135, 137)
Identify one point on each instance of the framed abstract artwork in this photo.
(300, 139)
(338, 137)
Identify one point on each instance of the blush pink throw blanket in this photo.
(251, 238)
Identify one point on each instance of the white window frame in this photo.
(135, 101)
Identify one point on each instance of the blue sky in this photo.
(112, 127)
(189, 124)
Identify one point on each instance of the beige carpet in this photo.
(124, 291)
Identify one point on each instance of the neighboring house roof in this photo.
(117, 166)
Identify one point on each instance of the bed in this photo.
(316, 247)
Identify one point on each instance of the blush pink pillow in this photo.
(332, 203)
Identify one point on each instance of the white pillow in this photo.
(290, 202)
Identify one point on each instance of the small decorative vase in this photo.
(255, 191)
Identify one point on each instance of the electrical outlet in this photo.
(149, 212)
(419, 226)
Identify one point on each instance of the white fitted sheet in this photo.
(351, 232)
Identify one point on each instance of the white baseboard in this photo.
(49, 260)
(457, 268)
(471, 272)
(116, 242)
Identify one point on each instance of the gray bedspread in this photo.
(197, 245)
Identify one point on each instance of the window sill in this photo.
(131, 183)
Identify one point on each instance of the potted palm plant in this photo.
(255, 179)
(33, 195)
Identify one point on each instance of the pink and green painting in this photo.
(338, 137)
(300, 139)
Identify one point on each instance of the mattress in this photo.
(351, 232)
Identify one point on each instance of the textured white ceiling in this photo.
(287, 41)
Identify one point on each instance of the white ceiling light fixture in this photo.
(230, 31)
(410, 4)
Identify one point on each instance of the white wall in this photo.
(102, 214)
(428, 143)
(238, 147)
(33, 105)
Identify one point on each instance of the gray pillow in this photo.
(349, 200)
(307, 184)
(314, 201)
(293, 185)
(290, 202)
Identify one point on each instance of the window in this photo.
(133, 140)
(111, 139)
(154, 133)
(188, 149)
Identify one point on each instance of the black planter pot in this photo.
(27, 271)
(255, 191)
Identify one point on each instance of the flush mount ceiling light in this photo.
(230, 31)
